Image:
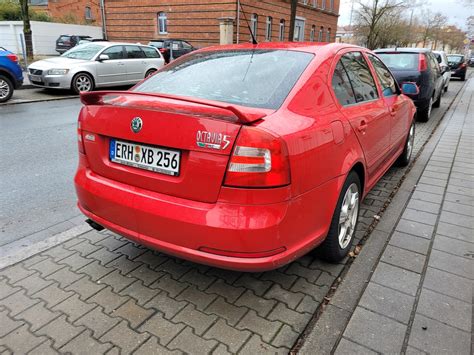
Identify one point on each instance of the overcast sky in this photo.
(456, 11)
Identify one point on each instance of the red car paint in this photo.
(204, 215)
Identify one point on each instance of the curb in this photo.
(323, 333)
(10, 103)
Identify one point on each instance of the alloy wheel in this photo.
(4, 89)
(348, 215)
(83, 83)
(430, 106)
(410, 141)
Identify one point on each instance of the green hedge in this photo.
(10, 11)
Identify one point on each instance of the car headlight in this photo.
(57, 71)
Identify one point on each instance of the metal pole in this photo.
(352, 11)
(23, 49)
(102, 15)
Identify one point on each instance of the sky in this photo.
(455, 10)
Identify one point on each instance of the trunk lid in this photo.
(202, 131)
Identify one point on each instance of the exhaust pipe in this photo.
(94, 225)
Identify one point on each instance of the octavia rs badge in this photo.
(136, 124)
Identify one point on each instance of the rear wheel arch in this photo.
(359, 169)
(8, 75)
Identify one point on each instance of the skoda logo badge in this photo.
(136, 124)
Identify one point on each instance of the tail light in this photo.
(12, 57)
(163, 50)
(463, 65)
(259, 159)
(80, 139)
(422, 65)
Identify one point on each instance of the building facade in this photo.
(198, 20)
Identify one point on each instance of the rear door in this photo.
(112, 71)
(365, 110)
(135, 63)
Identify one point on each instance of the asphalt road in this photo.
(38, 156)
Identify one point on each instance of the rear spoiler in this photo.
(243, 114)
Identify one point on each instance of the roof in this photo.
(403, 50)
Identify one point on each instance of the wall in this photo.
(44, 35)
(76, 8)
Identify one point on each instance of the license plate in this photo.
(35, 77)
(160, 160)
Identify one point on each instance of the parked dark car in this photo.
(66, 42)
(171, 48)
(471, 61)
(420, 66)
(11, 75)
(458, 65)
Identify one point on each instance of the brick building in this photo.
(71, 11)
(197, 20)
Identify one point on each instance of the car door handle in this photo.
(120, 63)
(362, 127)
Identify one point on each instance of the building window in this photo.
(314, 3)
(320, 35)
(323, 4)
(254, 24)
(88, 13)
(328, 35)
(162, 23)
(268, 32)
(331, 5)
(281, 33)
(312, 33)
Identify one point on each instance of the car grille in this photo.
(36, 71)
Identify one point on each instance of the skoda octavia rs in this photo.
(244, 157)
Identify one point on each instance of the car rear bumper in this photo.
(225, 235)
(457, 73)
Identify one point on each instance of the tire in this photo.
(6, 88)
(79, 83)
(424, 114)
(335, 248)
(446, 88)
(404, 158)
(463, 77)
(437, 103)
(149, 72)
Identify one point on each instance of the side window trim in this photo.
(374, 70)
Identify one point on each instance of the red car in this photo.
(244, 157)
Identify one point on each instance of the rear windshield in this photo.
(255, 78)
(454, 58)
(156, 44)
(400, 61)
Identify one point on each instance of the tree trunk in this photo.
(27, 28)
(294, 5)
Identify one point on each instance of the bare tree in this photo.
(25, 14)
(432, 25)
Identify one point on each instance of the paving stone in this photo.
(460, 190)
(415, 228)
(44, 348)
(151, 259)
(33, 260)
(111, 243)
(396, 278)
(123, 264)
(201, 281)
(60, 330)
(21, 340)
(437, 338)
(410, 242)
(139, 292)
(312, 290)
(454, 246)
(230, 336)
(445, 309)
(46, 267)
(117, 281)
(221, 349)
(199, 321)
(284, 280)
(125, 338)
(171, 286)
(425, 196)
(188, 342)
(286, 337)
(458, 208)
(199, 298)
(162, 328)
(37, 316)
(387, 302)
(226, 275)
(347, 347)
(64, 276)
(109, 300)
(74, 307)
(52, 295)
(8, 323)
(403, 258)
(297, 269)
(152, 346)
(84, 248)
(130, 250)
(93, 236)
(295, 319)
(456, 232)
(146, 275)
(18, 302)
(16, 273)
(307, 305)
(430, 189)
(440, 181)
(6, 290)
(457, 219)
(424, 206)
(95, 270)
(451, 263)
(260, 305)
(33, 283)
(448, 284)
(459, 199)
(84, 343)
(420, 216)
(221, 288)
(375, 331)
(412, 351)
(103, 256)
(166, 305)
(173, 268)
(97, 321)
(265, 328)
(134, 313)
(259, 287)
(226, 310)
(75, 261)
(256, 346)
(85, 287)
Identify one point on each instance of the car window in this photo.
(400, 61)
(433, 62)
(360, 77)
(255, 78)
(150, 52)
(115, 52)
(83, 51)
(186, 45)
(455, 59)
(156, 44)
(134, 52)
(342, 87)
(387, 81)
(175, 45)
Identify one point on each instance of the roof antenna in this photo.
(254, 40)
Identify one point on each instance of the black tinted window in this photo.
(387, 81)
(115, 52)
(187, 45)
(360, 77)
(150, 52)
(134, 52)
(342, 87)
(400, 61)
(158, 44)
(256, 78)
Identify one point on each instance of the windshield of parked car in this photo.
(454, 58)
(85, 51)
(255, 78)
(158, 44)
(400, 61)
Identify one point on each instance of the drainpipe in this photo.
(102, 15)
(238, 21)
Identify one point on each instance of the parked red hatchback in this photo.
(244, 157)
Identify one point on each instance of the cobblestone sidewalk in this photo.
(419, 299)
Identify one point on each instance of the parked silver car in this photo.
(444, 66)
(96, 64)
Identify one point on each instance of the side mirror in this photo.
(409, 88)
(103, 57)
